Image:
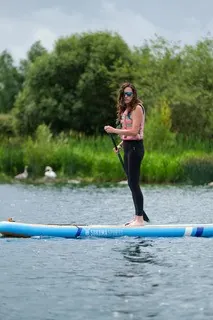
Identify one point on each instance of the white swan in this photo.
(49, 173)
(22, 175)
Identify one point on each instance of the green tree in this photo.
(10, 82)
(35, 51)
(158, 134)
(184, 77)
(74, 86)
(157, 65)
(192, 104)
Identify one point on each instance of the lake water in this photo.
(124, 278)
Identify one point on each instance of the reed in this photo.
(92, 159)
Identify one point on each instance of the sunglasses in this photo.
(128, 94)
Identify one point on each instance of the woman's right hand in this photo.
(117, 150)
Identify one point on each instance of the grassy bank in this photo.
(92, 160)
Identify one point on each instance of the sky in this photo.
(24, 22)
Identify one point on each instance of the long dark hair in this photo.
(121, 106)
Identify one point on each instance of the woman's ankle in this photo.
(139, 219)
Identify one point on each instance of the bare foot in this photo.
(137, 222)
(127, 223)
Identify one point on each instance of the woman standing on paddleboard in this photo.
(131, 115)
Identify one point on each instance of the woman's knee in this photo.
(133, 185)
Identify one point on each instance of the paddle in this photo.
(122, 163)
(118, 153)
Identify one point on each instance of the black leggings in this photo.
(133, 156)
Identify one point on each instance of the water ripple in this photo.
(126, 278)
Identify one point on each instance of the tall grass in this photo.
(92, 159)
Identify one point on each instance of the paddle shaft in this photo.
(118, 153)
(146, 218)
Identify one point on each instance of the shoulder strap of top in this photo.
(143, 109)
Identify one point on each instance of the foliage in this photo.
(158, 133)
(73, 87)
(6, 125)
(10, 82)
(198, 170)
(92, 159)
(57, 103)
(36, 50)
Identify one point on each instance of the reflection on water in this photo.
(138, 253)
(143, 252)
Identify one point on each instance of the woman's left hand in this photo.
(109, 129)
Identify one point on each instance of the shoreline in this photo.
(91, 182)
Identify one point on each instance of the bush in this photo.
(198, 170)
(158, 133)
(6, 125)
